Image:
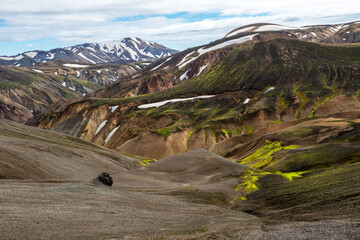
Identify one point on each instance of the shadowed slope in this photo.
(32, 153)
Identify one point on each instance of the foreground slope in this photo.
(31, 153)
(279, 190)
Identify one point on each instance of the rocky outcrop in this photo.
(105, 179)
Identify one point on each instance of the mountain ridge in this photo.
(126, 50)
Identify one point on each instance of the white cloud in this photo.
(27, 45)
(92, 21)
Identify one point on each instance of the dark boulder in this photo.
(105, 178)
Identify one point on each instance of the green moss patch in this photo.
(264, 156)
(322, 156)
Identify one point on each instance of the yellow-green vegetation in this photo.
(250, 179)
(321, 103)
(234, 131)
(166, 131)
(226, 132)
(249, 128)
(190, 134)
(85, 83)
(263, 156)
(258, 160)
(335, 189)
(12, 78)
(142, 160)
(202, 114)
(321, 156)
(304, 100)
(145, 162)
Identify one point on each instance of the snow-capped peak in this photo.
(126, 50)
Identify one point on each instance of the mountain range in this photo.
(126, 50)
(255, 135)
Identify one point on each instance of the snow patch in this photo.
(17, 58)
(201, 69)
(37, 70)
(149, 54)
(183, 60)
(91, 49)
(184, 76)
(98, 57)
(82, 55)
(100, 127)
(159, 104)
(75, 65)
(133, 54)
(113, 108)
(239, 31)
(111, 134)
(268, 90)
(246, 101)
(160, 64)
(64, 84)
(31, 54)
(335, 29)
(135, 40)
(50, 56)
(202, 51)
(265, 28)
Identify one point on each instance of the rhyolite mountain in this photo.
(255, 79)
(193, 62)
(27, 91)
(126, 50)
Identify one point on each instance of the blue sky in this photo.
(14, 47)
(46, 24)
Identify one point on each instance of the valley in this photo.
(252, 136)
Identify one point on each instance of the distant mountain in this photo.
(126, 50)
(337, 33)
(25, 92)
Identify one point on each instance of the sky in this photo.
(179, 24)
